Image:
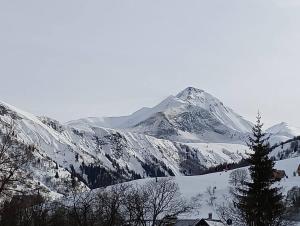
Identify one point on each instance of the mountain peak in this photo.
(193, 89)
(284, 128)
(278, 127)
(189, 92)
(283, 124)
(198, 97)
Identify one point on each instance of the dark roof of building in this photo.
(213, 222)
(187, 222)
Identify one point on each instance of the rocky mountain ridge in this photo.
(183, 135)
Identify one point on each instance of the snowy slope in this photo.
(216, 153)
(117, 155)
(282, 132)
(284, 129)
(127, 121)
(193, 185)
(220, 180)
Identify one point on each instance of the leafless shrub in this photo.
(227, 210)
(110, 205)
(211, 195)
(238, 177)
(13, 156)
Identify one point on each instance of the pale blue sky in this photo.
(71, 59)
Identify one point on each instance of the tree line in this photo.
(124, 204)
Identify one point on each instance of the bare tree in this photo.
(124, 204)
(110, 205)
(13, 156)
(211, 193)
(163, 198)
(24, 210)
(228, 211)
(135, 205)
(238, 177)
(80, 204)
(81, 210)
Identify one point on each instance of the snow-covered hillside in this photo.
(282, 132)
(183, 135)
(194, 185)
(101, 156)
(285, 140)
(191, 116)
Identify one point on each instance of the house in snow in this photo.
(192, 222)
(202, 222)
(210, 222)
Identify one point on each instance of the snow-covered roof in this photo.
(214, 223)
(187, 222)
(195, 222)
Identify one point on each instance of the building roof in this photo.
(214, 223)
(187, 222)
(197, 222)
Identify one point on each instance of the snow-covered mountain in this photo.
(101, 156)
(191, 116)
(282, 132)
(183, 135)
(285, 140)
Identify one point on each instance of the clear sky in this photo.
(78, 58)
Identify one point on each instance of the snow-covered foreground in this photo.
(191, 186)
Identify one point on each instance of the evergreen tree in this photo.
(259, 201)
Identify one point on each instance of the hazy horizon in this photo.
(74, 59)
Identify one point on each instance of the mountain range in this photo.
(183, 135)
(191, 116)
